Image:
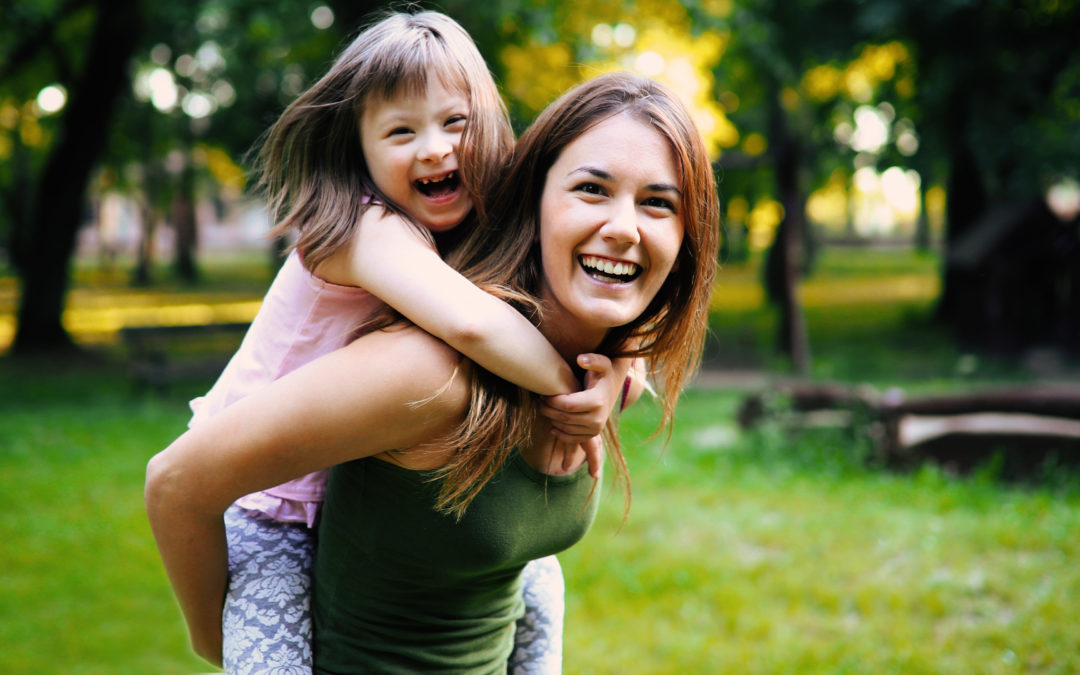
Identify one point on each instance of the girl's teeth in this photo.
(425, 181)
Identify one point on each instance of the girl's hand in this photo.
(578, 417)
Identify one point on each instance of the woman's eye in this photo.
(660, 203)
(590, 188)
(397, 131)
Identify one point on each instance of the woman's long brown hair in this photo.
(502, 255)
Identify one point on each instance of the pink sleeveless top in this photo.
(301, 318)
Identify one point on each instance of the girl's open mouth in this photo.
(438, 186)
(609, 271)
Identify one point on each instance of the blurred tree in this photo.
(189, 64)
(998, 103)
(762, 78)
(85, 46)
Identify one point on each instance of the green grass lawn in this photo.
(743, 552)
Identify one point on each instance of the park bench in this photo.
(161, 355)
(1026, 425)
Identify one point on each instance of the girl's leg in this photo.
(538, 642)
(266, 621)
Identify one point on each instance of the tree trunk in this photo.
(144, 264)
(186, 225)
(967, 201)
(784, 262)
(58, 205)
(922, 225)
(351, 15)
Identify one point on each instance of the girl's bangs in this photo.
(408, 72)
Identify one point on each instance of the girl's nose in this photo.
(434, 148)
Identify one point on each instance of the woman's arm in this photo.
(389, 258)
(358, 401)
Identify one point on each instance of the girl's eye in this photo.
(455, 120)
(397, 131)
(660, 203)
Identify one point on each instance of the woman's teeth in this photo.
(608, 270)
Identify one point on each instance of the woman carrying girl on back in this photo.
(377, 168)
(445, 482)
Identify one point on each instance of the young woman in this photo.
(383, 157)
(449, 482)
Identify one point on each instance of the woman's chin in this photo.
(602, 317)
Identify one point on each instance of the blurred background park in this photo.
(876, 469)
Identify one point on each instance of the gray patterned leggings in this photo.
(267, 616)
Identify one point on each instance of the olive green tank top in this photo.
(401, 588)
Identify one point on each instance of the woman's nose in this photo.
(622, 225)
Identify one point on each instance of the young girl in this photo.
(374, 167)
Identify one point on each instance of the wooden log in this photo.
(913, 430)
(1043, 400)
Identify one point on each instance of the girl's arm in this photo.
(637, 381)
(388, 258)
(303, 422)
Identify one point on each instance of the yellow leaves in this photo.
(685, 65)
(762, 222)
(828, 205)
(22, 121)
(9, 115)
(874, 65)
(790, 99)
(9, 118)
(537, 74)
(31, 132)
(755, 144)
(654, 40)
(860, 78)
(822, 83)
(934, 199)
(737, 210)
(226, 172)
(880, 60)
(720, 8)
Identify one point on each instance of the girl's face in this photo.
(410, 144)
(610, 226)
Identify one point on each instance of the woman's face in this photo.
(610, 226)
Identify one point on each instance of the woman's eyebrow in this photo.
(604, 175)
(664, 187)
(592, 171)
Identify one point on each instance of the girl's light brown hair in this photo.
(502, 254)
(310, 164)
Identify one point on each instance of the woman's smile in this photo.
(607, 270)
(610, 225)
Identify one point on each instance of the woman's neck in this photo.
(569, 336)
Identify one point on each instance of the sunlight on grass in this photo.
(743, 553)
(740, 559)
